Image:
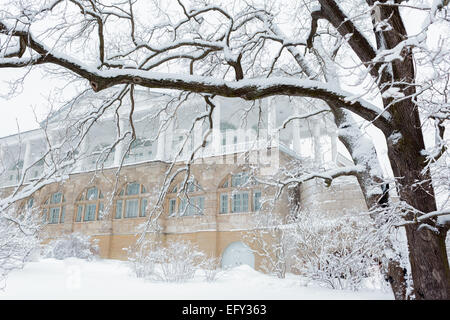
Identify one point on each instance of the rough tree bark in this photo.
(427, 251)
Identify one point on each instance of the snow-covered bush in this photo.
(75, 245)
(211, 268)
(340, 252)
(176, 262)
(274, 241)
(19, 230)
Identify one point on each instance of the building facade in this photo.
(118, 188)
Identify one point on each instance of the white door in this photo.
(236, 254)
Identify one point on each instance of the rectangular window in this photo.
(236, 205)
(223, 203)
(244, 202)
(190, 210)
(240, 202)
(89, 215)
(143, 207)
(131, 208)
(79, 213)
(172, 204)
(195, 206)
(182, 206)
(119, 209)
(256, 200)
(200, 204)
(54, 215)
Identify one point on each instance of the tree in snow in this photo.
(398, 79)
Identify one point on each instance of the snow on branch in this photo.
(249, 89)
(301, 177)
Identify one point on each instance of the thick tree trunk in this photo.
(392, 270)
(429, 264)
(396, 277)
(426, 241)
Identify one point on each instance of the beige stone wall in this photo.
(212, 232)
(344, 195)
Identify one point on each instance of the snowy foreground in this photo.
(111, 279)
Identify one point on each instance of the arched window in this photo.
(237, 194)
(54, 209)
(188, 202)
(131, 201)
(89, 205)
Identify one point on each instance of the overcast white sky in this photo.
(16, 113)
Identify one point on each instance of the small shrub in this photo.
(72, 245)
(19, 230)
(178, 262)
(210, 267)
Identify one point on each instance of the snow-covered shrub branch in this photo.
(178, 261)
(274, 242)
(74, 245)
(19, 231)
(342, 252)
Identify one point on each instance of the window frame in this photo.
(84, 201)
(142, 196)
(231, 186)
(193, 196)
(50, 206)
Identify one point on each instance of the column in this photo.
(316, 139)
(198, 138)
(82, 161)
(161, 138)
(53, 140)
(216, 127)
(296, 133)
(333, 137)
(119, 150)
(230, 145)
(169, 153)
(272, 132)
(27, 160)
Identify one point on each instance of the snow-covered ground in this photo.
(111, 279)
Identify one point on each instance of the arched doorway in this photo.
(236, 254)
